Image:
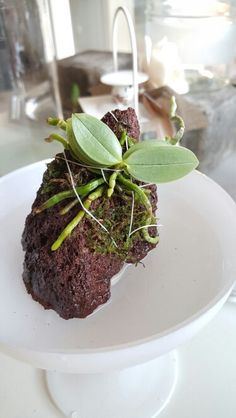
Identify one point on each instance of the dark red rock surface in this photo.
(118, 120)
(75, 279)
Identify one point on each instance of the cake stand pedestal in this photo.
(142, 391)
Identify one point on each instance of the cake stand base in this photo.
(138, 392)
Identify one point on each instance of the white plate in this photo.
(152, 310)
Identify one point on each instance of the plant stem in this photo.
(69, 228)
(68, 207)
(146, 236)
(74, 96)
(59, 138)
(131, 141)
(112, 183)
(60, 123)
(139, 192)
(123, 138)
(81, 190)
(179, 123)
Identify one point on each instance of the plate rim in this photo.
(223, 294)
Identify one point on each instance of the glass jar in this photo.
(190, 46)
(27, 72)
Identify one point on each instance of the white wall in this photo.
(92, 24)
(80, 25)
(61, 29)
(62, 24)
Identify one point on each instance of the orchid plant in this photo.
(125, 162)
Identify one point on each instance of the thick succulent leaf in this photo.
(95, 140)
(73, 145)
(160, 164)
(143, 144)
(76, 151)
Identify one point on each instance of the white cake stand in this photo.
(152, 310)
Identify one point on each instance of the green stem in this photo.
(131, 141)
(81, 190)
(59, 138)
(123, 138)
(179, 124)
(112, 183)
(139, 192)
(75, 221)
(60, 123)
(68, 207)
(74, 96)
(146, 236)
(173, 107)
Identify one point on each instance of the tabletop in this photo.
(207, 364)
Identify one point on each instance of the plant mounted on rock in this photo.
(119, 164)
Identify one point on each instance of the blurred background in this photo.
(53, 54)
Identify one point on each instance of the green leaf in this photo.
(143, 145)
(73, 146)
(160, 164)
(94, 141)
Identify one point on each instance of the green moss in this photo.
(115, 214)
(53, 172)
(57, 174)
